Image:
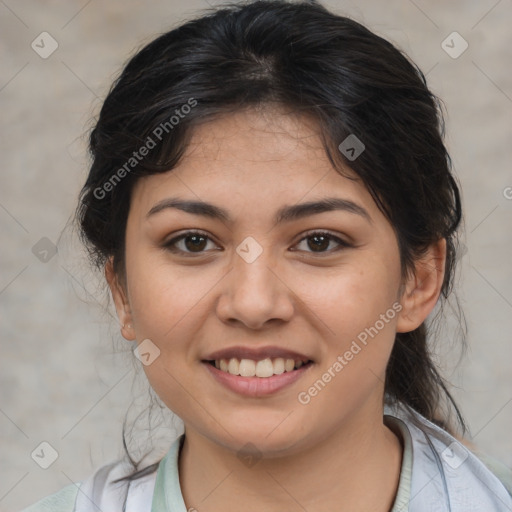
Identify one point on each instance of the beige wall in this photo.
(61, 380)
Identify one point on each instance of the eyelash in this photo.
(170, 245)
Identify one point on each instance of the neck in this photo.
(355, 467)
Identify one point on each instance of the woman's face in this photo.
(258, 287)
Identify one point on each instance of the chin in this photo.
(256, 438)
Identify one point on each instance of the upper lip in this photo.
(256, 354)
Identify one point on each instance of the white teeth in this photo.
(264, 368)
(279, 366)
(233, 366)
(247, 368)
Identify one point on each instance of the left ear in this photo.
(422, 287)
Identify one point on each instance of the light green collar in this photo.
(167, 495)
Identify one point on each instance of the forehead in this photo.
(252, 156)
(261, 135)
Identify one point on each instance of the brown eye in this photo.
(195, 242)
(191, 242)
(319, 241)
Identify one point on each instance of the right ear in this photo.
(120, 300)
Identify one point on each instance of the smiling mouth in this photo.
(263, 368)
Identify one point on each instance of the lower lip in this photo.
(257, 386)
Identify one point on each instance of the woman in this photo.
(273, 207)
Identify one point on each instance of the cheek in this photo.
(360, 310)
(359, 305)
(168, 307)
(162, 295)
(354, 297)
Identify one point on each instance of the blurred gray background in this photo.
(66, 374)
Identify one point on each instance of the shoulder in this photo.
(500, 471)
(61, 501)
(447, 472)
(102, 490)
(109, 490)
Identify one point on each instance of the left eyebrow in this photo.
(284, 214)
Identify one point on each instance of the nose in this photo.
(255, 293)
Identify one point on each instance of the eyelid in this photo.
(189, 232)
(327, 232)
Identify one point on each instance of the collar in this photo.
(438, 473)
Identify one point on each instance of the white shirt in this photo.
(438, 474)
